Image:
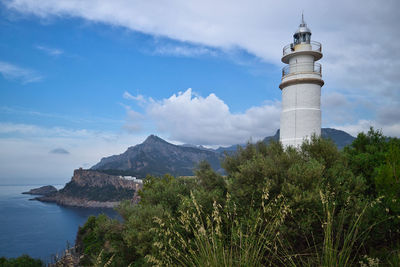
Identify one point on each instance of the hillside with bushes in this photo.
(312, 206)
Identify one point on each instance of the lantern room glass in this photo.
(302, 38)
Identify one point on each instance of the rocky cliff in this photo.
(93, 178)
(93, 189)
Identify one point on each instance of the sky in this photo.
(85, 79)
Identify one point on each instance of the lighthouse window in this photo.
(304, 38)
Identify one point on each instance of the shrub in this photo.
(220, 238)
(23, 260)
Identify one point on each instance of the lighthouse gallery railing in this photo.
(312, 67)
(315, 46)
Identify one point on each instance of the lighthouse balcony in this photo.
(312, 48)
(299, 73)
(302, 68)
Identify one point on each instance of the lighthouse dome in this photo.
(303, 33)
(303, 29)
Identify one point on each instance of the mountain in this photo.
(273, 137)
(198, 146)
(157, 157)
(340, 138)
(103, 185)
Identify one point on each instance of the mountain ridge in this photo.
(339, 137)
(156, 156)
(104, 185)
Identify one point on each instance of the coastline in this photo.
(91, 189)
(77, 202)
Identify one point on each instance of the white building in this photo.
(301, 89)
(132, 178)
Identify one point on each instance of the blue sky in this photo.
(82, 70)
(80, 80)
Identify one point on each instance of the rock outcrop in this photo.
(44, 190)
(93, 178)
(92, 189)
(77, 202)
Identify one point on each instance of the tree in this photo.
(387, 180)
(365, 154)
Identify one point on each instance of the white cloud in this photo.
(189, 118)
(342, 114)
(92, 120)
(392, 129)
(336, 108)
(135, 118)
(139, 98)
(184, 50)
(389, 114)
(33, 131)
(360, 38)
(354, 129)
(360, 66)
(25, 157)
(334, 100)
(49, 50)
(14, 72)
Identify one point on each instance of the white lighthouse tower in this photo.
(301, 89)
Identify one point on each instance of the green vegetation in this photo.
(98, 233)
(23, 260)
(103, 193)
(312, 206)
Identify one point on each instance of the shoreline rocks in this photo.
(77, 202)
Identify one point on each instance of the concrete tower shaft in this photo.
(301, 89)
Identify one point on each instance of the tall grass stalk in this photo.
(394, 261)
(342, 241)
(220, 238)
(99, 261)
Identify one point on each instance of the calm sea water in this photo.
(35, 228)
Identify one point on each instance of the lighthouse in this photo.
(301, 88)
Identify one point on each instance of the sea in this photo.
(41, 230)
